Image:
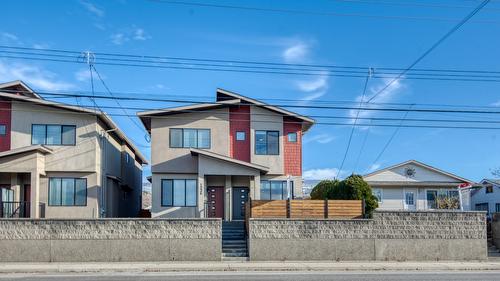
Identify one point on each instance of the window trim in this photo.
(74, 193)
(296, 137)
(182, 137)
(45, 139)
(381, 194)
(244, 136)
(5, 133)
(185, 193)
(283, 185)
(267, 142)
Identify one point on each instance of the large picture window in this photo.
(275, 190)
(267, 142)
(187, 138)
(53, 134)
(178, 193)
(67, 192)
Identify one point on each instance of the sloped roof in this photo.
(417, 163)
(492, 181)
(20, 88)
(101, 115)
(195, 151)
(40, 148)
(224, 98)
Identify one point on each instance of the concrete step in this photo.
(224, 255)
(235, 259)
(234, 246)
(234, 251)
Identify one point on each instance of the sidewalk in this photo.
(243, 266)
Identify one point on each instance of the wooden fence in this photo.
(306, 209)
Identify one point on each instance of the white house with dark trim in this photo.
(487, 197)
(413, 186)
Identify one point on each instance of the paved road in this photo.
(274, 276)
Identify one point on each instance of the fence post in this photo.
(326, 208)
(363, 208)
(288, 207)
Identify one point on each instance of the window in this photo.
(292, 137)
(377, 192)
(267, 142)
(497, 208)
(127, 158)
(275, 190)
(178, 193)
(489, 189)
(53, 134)
(186, 138)
(409, 198)
(482, 207)
(240, 136)
(3, 130)
(431, 199)
(67, 192)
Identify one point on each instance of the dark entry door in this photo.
(26, 210)
(215, 202)
(240, 199)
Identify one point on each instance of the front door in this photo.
(27, 201)
(240, 199)
(215, 202)
(410, 199)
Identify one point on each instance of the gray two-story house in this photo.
(208, 159)
(64, 161)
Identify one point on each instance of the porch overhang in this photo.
(24, 159)
(228, 161)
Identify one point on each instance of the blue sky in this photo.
(154, 28)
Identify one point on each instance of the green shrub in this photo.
(321, 190)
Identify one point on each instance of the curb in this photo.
(47, 268)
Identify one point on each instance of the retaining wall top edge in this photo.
(430, 212)
(115, 219)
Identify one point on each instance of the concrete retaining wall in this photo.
(495, 229)
(389, 236)
(110, 240)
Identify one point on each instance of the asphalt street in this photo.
(268, 276)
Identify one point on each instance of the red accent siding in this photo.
(292, 150)
(5, 119)
(239, 121)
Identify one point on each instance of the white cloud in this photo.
(386, 96)
(9, 37)
(296, 53)
(319, 83)
(373, 167)
(322, 174)
(137, 34)
(92, 8)
(496, 103)
(33, 75)
(119, 38)
(320, 138)
(140, 35)
(41, 46)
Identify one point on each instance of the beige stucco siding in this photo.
(179, 160)
(263, 119)
(89, 211)
(80, 157)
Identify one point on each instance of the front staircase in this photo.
(234, 241)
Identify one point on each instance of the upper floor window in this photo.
(53, 134)
(240, 136)
(67, 192)
(178, 193)
(267, 142)
(186, 138)
(292, 137)
(3, 130)
(489, 188)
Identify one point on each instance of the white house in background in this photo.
(487, 197)
(413, 185)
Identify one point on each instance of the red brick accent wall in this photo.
(239, 121)
(292, 150)
(5, 119)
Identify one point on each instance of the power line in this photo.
(306, 12)
(434, 46)
(410, 4)
(284, 105)
(254, 67)
(355, 121)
